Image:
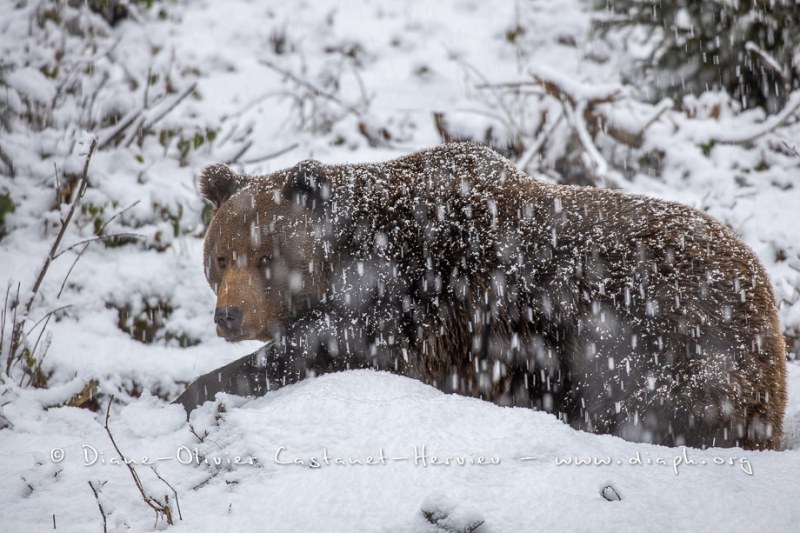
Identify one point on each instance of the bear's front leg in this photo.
(254, 375)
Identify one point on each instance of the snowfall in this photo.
(261, 86)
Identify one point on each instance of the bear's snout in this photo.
(229, 321)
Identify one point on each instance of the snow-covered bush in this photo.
(71, 73)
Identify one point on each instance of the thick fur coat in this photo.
(619, 314)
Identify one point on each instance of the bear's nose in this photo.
(229, 320)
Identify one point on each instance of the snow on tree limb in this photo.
(724, 134)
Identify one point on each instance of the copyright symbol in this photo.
(56, 455)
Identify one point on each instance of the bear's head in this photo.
(263, 249)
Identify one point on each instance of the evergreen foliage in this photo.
(747, 47)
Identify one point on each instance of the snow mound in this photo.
(382, 452)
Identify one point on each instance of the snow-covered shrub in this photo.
(73, 71)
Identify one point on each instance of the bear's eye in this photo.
(222, 262)
(264, 261)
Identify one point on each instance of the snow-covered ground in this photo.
(360, 415)
(340, 82)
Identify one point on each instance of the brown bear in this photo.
(617, 313)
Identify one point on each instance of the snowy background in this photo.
(124, 310)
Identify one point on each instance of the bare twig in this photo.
(194, 432)
(576, 118)
(99, 506)
(58, 181)
(272, 155)
(36, 373)
(159, 508)
(311, 87)
(90, 124)
(16, 334)
(792, 149)
(362, 88)
(141, 119)
(69, 272)
(15, 307)
(6, 159)
(204, 482)
(3, 318)
(76, 69)
(148, 123)
(174, 492)
(506, 85)
(81, 191)
(147, 83)
(240, 153)
(663, 106)
(526, 157)
(54, 311)
(252, 103)
(509, 121)
(580, 107)
(87, 242)
(121, 127)
(98, 238)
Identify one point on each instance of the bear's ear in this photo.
(308, 185)
(218, 183)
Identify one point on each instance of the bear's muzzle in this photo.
(229, 321)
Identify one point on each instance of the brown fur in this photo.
(619, 314)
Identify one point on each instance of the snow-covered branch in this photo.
(773, 64)
(571, 93)
(728, 135)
